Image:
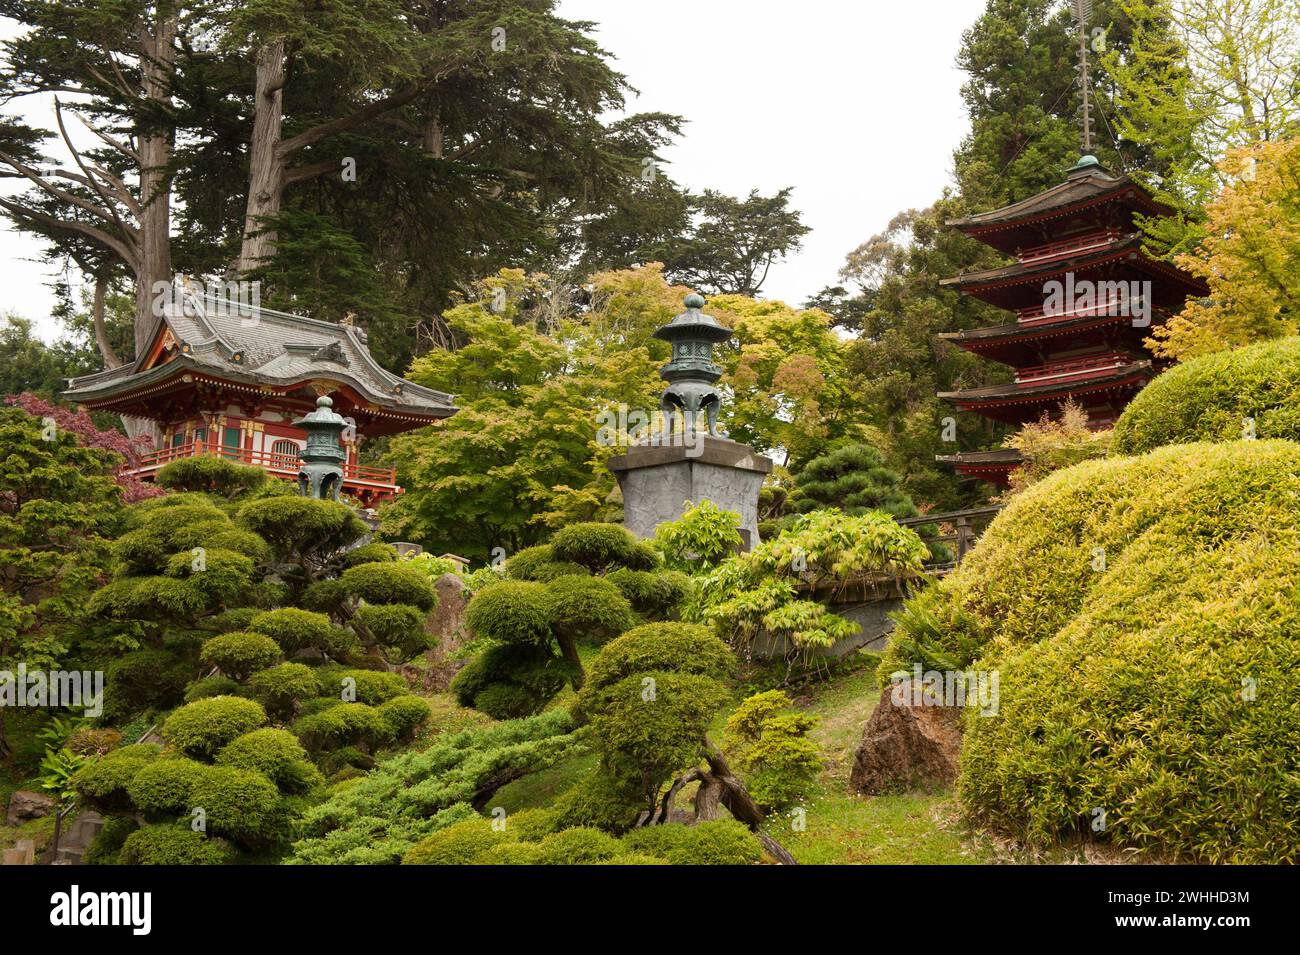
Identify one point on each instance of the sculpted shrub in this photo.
(201, 728)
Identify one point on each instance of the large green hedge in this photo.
(1144, 617)
(1218, 397)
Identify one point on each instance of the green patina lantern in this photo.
(691, 374)
(321, 472)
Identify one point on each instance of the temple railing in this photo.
(1073, 368)
(1071, 246)
(281, 465)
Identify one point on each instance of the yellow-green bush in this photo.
(1211, 397)
(1144, 617)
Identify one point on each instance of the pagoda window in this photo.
(232, 438)
(178, 438)
(285, 448)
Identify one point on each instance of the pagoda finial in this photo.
(691, 374)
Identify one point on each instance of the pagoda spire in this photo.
(1082, 13)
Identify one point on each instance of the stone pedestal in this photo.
(659, 479)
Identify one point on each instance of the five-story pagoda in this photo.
(1083, 294)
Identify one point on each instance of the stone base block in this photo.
(659, 480)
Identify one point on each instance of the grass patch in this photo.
(540, 789)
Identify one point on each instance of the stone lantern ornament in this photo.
(691, 374)
(321, 472)
(661, 475)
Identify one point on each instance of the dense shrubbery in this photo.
(768, 740)
(772, 588)
(650, 699)
(1142, 615)
(591, 583)
(207, 582)
(376, 819)
(1225, 396)
(475, 841)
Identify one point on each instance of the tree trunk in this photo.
(265, 162)
(101, 333)
(570, 651)
(157, 58)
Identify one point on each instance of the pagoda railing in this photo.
(1071, 246)
(282, 465)
(1072, 368)
(1114, 305)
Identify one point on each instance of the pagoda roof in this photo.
(1013, 393)
(264, 347)
(1047, 267)
(1086, 183)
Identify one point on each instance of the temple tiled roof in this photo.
(264, 347)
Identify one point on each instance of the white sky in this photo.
(854, 103)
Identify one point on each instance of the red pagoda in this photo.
(229, 379)
(1085, 296)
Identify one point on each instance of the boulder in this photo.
(25, 804)
(446, 623)
(906, 744)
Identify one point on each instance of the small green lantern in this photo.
(691, 374)
(321, 472)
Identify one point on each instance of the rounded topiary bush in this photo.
(587, 608)
(375, 553)
(1141, 616)
(359, 686)
(509, 681)
(240, 655)
(717, 842)
(302, 525)
(164, 786)
(238, 803)
(676, 647)
(404, 714)
(103, 784)
(598, 546)
(397, 627)
(201, 728)
(211, 474)
(343, 725)
(209, 686)
(460, 844)
(510, 612)
(280, 689)
(579, 846)
(1219, 397)
(521, 564)
(277, 755)
(655, 595)
(391, 583)
(295, 630)
(172, 845)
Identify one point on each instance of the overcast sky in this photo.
(854, 104)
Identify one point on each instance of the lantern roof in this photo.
(693, 325)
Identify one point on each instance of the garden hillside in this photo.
(1144, 616)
